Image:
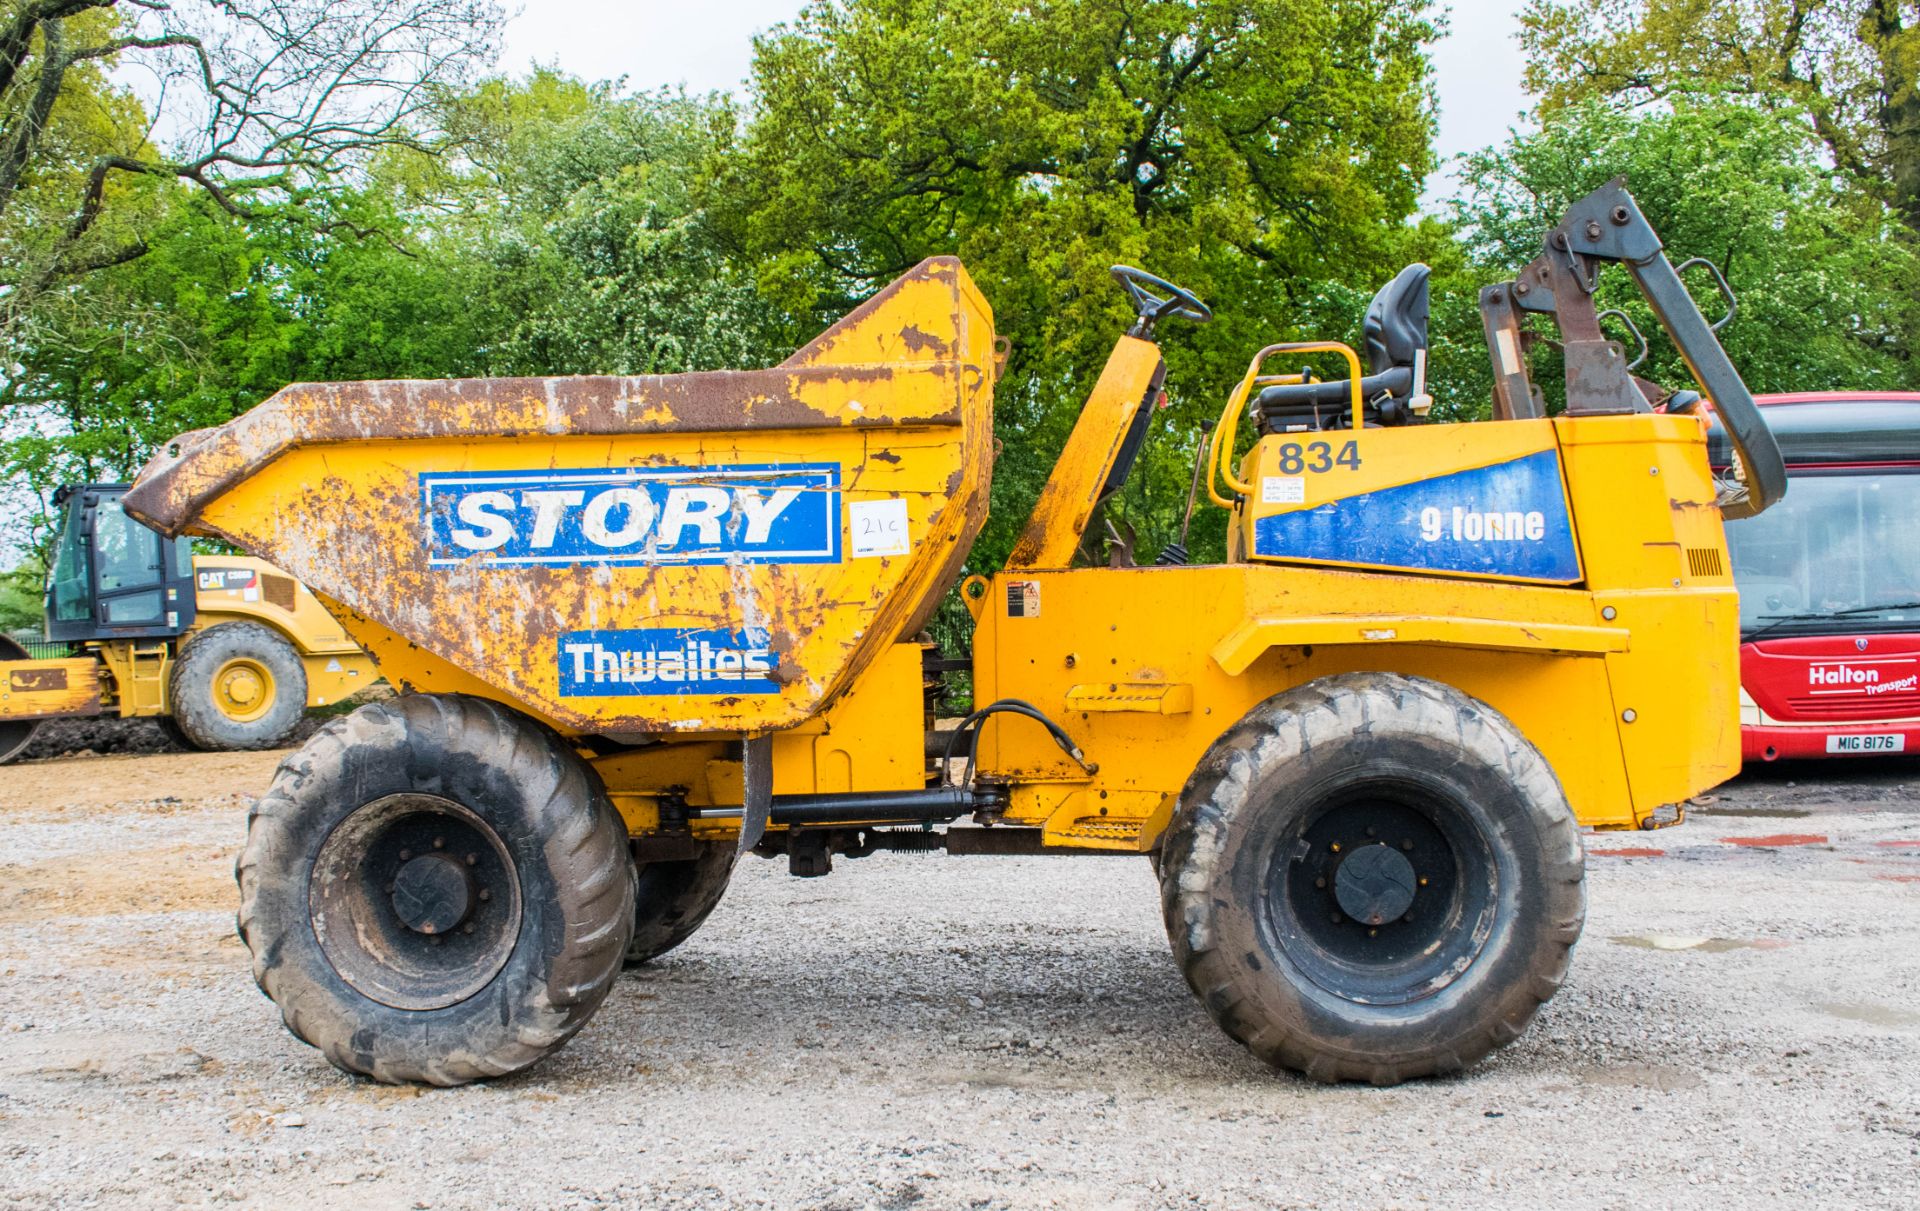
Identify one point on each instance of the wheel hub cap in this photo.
(1374, 884)
(243, 687)
(432, 894)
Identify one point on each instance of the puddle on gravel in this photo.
(1712, 946)
(1873, 1015)
(1665, 1077)
(1752, 813)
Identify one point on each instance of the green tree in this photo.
(1828, 282)
(562, 239)
(1849, 67)
(260, 100)
(1264, 153)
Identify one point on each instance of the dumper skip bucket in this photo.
(711, 552)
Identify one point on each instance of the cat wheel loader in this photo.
(227, 651)
(647, 624)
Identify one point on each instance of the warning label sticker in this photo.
(1023, 599)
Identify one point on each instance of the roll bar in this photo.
(1607, 225)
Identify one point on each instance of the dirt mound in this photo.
(73, 737)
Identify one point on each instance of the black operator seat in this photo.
(1394, 390)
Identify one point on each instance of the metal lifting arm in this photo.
(1607, 225)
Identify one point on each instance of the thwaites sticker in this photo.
(655, 661)
(1023, 599)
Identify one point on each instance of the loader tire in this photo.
(1373, 877)
(15, 734)
(672, 899)
(435, 889)
(237, 685)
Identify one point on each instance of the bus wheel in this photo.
(237, 685)
(435, 888)
(1373, 878)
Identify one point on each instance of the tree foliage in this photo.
(1256, 151)
(259, 101)
(1849, 67)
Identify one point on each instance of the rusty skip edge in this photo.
(199, 466)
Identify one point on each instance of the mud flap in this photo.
(756, 767)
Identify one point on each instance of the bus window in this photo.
(1837, 544)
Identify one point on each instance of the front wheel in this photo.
(1373, 877)
(237, 685)
(435, 889)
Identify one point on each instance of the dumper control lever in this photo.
(1155, 299)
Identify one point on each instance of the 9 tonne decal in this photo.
(1507, 520)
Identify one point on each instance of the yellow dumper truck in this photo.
(646, 624)
(227, 651)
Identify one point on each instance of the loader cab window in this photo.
(69, 599)
(127, 558)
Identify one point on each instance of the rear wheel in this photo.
(15, 734)
(237, 685)
(1373, 877)
(435, 889)
(672, 899)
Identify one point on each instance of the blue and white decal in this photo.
(666, 660)
(628, 515)
(1509, 519)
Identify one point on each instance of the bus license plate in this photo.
(1895, 743)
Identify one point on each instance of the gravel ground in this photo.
(1741, 1029)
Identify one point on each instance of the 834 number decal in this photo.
(1318, 456)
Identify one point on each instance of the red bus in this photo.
(1829, 582)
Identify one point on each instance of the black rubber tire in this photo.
(191, 702)
(570, 873)
(15, 734)
(672, 899)
(1239, 840)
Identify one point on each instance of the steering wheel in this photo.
(1155, 299)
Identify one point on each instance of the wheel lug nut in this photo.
(439, 842)
(473, 859)
(405, 854)
(1423, 880)
(1370, 831)
(1373, 933)
(1320, 882)
(1406, 845)
(1337, 918)
(1408, 919)
(1335, 847)
(485, 894)
(467, 928)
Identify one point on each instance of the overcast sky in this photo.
(707, 45)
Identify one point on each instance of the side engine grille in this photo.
(1705, 563)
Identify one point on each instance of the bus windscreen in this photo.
(1839, 554)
